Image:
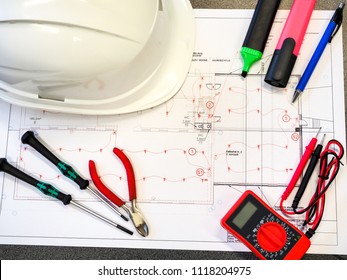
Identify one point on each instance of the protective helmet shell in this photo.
(94, 56)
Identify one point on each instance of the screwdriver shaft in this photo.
(103, 199)
(97, 215)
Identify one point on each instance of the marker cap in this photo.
(281, 65)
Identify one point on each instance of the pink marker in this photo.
(290, 42)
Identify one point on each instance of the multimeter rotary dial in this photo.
(271, 237)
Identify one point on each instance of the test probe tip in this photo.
(318, 132)
(244, 74)
(322, 141)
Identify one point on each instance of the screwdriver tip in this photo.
(125, 230)
(124, 218)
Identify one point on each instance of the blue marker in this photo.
(333, 27)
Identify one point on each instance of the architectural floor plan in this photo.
(193, 156)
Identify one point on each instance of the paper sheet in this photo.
(193, 156)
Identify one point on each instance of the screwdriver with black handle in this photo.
(53, 192)
(30, 139)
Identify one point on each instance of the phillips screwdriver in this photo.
(51, 191)
(30, 139)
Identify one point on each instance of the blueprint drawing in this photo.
(193, 156)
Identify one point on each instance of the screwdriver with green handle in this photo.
(30, 139)
(53, 192)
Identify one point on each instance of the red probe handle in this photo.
(129, 171)
(303, 161)
(102, 187)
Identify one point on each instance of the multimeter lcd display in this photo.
(263, 230)
(244, 215)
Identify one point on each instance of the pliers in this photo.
(133, 212)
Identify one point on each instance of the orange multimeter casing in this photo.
(266, 233)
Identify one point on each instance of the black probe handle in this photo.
(45, 188)
(30, 139)
(260, 26)
(311, 166)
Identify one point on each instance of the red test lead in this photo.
(330, 161)
(299, 170)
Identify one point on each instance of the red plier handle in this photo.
(129, 171)
(105, 190)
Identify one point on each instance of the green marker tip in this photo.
(249, 56)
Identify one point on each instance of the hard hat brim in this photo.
(152, 78)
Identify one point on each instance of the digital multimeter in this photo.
(264, 231)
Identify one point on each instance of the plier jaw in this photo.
(134, 213)
(136, 218)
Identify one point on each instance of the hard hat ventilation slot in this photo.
(161, 6)
(51, 98)
(4, 90)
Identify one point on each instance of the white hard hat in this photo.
(94, 56)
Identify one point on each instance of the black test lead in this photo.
(311, 166)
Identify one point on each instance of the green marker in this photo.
(249, 56)
(258, 33)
